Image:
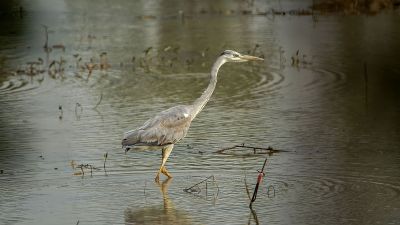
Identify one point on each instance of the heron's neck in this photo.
(199, 104)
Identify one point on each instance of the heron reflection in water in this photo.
(170, 126)
(166, 214)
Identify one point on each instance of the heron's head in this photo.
(232, 56)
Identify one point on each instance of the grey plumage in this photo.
(168, 127)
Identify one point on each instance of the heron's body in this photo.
(171, 125)
(168, 127)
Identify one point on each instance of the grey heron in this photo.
(171, 125)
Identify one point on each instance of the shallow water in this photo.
(340, 128)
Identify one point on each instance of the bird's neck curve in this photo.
(199, 104)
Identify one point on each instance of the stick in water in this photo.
(259, 180)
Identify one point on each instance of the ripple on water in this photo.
(319, 189)
(269, 83)
(14, 85)
(325, 78)
(22, 86)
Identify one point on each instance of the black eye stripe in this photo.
(226, 52)
(230, 53)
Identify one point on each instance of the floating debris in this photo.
(90, 67)
(85, 166)
(104, 61)
(59, 46)
(354, 7)
(251, 150)
(296, 60)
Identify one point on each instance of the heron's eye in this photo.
(235, 55)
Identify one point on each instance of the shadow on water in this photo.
(162, 214)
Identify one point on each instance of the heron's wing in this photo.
(168, 127)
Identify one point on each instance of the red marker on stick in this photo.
(259, 180)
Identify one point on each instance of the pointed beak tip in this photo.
(126, 148)
(252, 58)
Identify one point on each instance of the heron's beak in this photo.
(251, 58)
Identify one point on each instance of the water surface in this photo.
(338, 123)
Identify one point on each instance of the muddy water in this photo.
(339, 124)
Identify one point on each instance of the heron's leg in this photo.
(165, 154)
(165, 172)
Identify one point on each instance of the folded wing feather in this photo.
(168, 127)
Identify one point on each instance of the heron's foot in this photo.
(165, 172)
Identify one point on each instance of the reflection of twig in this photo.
(46, 36)
(78, 115)
(98, 103)
(144, 189)
(87, 166)
(191, 188)
(105, 159)
(269, 189)
(247, 188)
(253, 212)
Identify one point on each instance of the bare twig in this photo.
(259, 180)
(256, 150)
(195, 189)
(190, 188)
